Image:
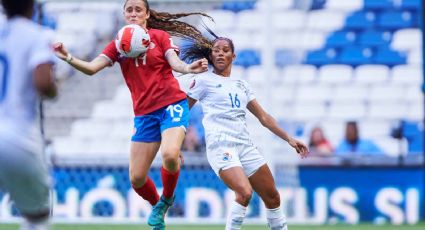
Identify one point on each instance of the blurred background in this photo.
(332, 72)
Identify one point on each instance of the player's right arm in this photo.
(191, 101)
(88, 68)
(44, 80)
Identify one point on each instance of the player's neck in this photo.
(222, 73)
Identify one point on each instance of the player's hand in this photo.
(60, 50)
(199, 66)
(300, 147)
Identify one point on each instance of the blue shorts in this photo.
(148, 128)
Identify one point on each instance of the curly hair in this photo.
(168, 22)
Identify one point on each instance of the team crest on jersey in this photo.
(227, 156)
(192, 84)
(241, 86)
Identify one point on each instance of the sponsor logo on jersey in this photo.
(176, 119)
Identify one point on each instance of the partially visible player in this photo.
(26, 60)
(160, 106)
(230, 150)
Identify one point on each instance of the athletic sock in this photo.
(169, 181)
(276, 219)
(148, 191)
(236, 216)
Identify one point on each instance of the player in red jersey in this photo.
(160, 107)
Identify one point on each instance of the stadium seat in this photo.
(251, 21)
(334, 130)
(347, 110)
(374, 38)
(299, 40)
(90, 128)
(308, 112)
(392, 147)
(344, 5)
(335, 74)
(387, 93)
(289, 20)
(313, 93)
(414, 94)
(325, 20)
(247, 40)
(221, 20)
(284, 57)
(237, 6)
(70, 147)
(350, 94)
(110, 110)
(394, 20)
(388, 111)
(299, 74)
(414, 5)
(416, 111)
(278, 5)
(355, 55)
(407, 39)
(378, 5)
(321, 57)
(360, 20)
(372, 74)
(407, 75)
(389, 57)
(247, 58)
(284, 94)
(415, 57)
(373, 128)
(341, 39)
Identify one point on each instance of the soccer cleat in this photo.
(156, 218)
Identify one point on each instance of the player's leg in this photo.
(264, 185)
(236, 180)
(141, 156)
(144, 147)
(173, 129)
(25, 176)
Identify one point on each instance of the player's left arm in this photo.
(178, 65)
(270, 123)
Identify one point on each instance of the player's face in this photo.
(222, 55)
(135, 12)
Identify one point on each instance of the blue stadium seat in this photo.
(386, 56)
(378, 4)
(413, 5)
(414, 135)
(247, 58)
(360, 20)
(355, 55)
(396, 20)
(341, 38)
(285, 57)
(237, 6)
(321, 57)
(374, 38)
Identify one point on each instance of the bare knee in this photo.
(170, 158)
(244, 196)
(137, 179)
(272, 200)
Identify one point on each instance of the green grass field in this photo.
(221, 227)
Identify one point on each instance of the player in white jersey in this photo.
(26, 60)
(230, 151)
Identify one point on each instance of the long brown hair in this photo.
(168, 22)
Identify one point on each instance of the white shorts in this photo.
(246, 156)
(24, 175)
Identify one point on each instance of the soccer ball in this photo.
(132, 41)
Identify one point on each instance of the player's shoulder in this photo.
(157, 33)
(203, 77)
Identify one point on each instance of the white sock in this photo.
(276, 219)
(42, 225)
(236, 216)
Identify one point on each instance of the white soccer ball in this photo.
(132, 41)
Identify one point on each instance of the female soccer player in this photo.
(230, 151)
(26, 63)
(160, 107)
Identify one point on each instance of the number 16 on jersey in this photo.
(234, 100)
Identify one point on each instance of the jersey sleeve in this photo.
(249, 92)
(110, 52)
(41, 51)
(167, 43)
(196, 89)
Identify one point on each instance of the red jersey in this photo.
(149, 78)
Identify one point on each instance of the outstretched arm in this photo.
(178, 65)
(88, 68)
(270, 123)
